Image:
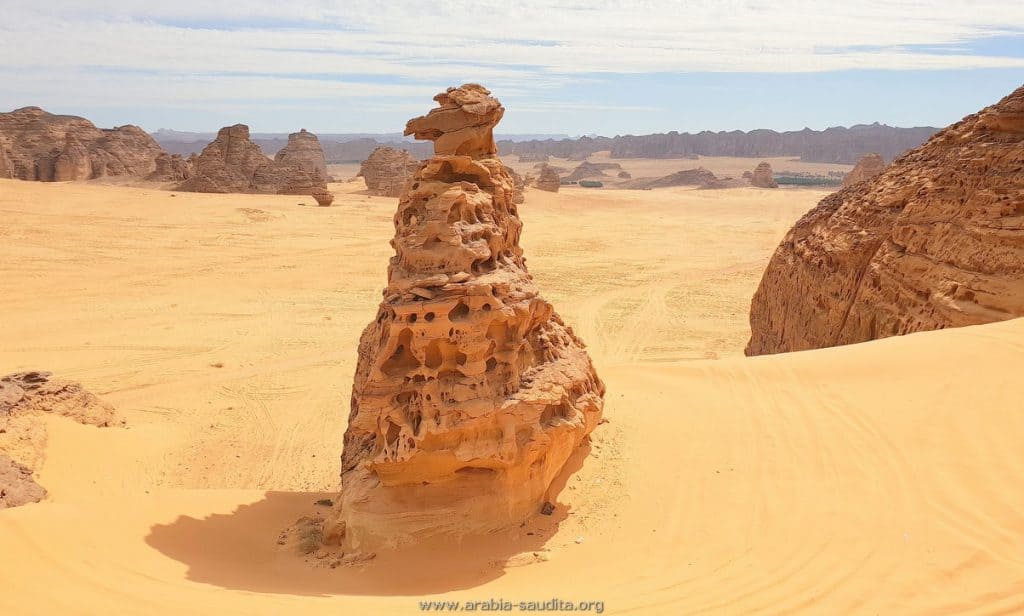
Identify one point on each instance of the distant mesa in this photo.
(37, 145)
(470, 393)
(867, 167)
(533, 158)
(838, 145)
(232, 163)
(387, 170)
(547, 179)
(763, 177)
(935, 240)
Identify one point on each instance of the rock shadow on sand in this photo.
(239, 550)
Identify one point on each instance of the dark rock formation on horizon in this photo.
(37, 145)
(833, 145)
(935, 240)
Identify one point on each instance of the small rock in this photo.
(547, 508)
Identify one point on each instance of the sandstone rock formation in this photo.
(625, 175)
(470, 393)
(24, 398)
(936, 240)
(17, 485)
(763, 177)
(323, 197)
(867, 167)
(387, 170)
(303, 151)
(687, 177)
(36, 145)
(519, 194)
(587, 169)
(547, 179)
(171, 168)
(232, 163)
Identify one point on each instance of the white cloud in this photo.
(191, 52)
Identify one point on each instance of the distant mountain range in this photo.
(832, 145)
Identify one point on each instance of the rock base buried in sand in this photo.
(24, 398)
(470, 392)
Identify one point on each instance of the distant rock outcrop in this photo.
(470, 393)
(934, 241)
(36, 145)
(763, 176)
(232, 163)
(387, 170)
(687, 177)
(171, 168)
(547, 179)
(833, 145)
(867, 167)
(304, 152)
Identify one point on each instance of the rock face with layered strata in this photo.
(866, 168)
(547, 179)
(763, 176)
(36, 145)
(232, 163)
(387, 170)
(936, 240)
(470, 392)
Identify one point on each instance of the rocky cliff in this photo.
(36, 145)
(936, 240)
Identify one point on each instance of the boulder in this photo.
(934, 241)
(470, 392)
(547, 179)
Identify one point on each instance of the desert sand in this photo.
(876, 478)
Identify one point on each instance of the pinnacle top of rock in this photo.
(462, 124)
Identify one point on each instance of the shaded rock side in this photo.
(763, 176)
(470, 392)
(36, 145)
(171, 168)
(387, 170)
(866, 168)
(936, 240)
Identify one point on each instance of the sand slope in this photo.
(876, 478)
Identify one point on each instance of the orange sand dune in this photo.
(877, 478)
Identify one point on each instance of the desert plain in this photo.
(875, 478)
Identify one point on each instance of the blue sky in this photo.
(601, 66)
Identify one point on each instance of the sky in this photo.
(559, 67)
